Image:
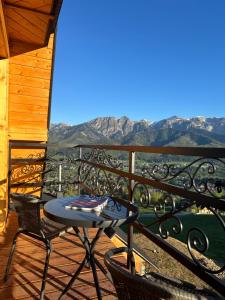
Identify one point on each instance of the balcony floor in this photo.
(26, 272)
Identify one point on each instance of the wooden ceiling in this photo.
(27, 21)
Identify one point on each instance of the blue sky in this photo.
(146, 59)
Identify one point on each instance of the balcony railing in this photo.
(168, 184)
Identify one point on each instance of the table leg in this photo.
(97, 287)
(104, 271)
(89, 260)
(73, 279)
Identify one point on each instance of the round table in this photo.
(115, 213)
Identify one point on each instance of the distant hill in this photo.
(174, 131)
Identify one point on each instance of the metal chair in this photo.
(35, 226)
(153, 286)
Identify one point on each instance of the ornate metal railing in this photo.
(36, 170)
(166, 183)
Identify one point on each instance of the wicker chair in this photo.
(152, 286)
(31, 224)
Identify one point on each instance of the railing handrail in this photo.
(28, 145)
(189, 151)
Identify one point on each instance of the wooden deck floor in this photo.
(26, 272)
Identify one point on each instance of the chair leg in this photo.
(48, 249)
(11, 255)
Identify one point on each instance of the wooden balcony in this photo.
(28, 263)
(96, 172)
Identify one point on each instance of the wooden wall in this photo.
(29, 86)
(25, 82)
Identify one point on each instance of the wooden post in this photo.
(3, 140)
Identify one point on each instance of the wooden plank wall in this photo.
(29, 87)
(25, 81)
(3, 139)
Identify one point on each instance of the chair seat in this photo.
(52, 229)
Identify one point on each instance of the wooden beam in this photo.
(19, 47)
(49, 16)
(55, 10)
(3, 32)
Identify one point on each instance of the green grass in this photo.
(207, 223)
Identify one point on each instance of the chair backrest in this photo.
(129, 286)
(28, 211)
(135, 287)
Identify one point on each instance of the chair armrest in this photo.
(26, 197)
(120, 250)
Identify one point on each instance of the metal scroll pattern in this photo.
(101, 157)
(101, 182)
(163, 208)
(44, 171)
(61, 172)
(199, 242)
(202, 175)
(163, 213)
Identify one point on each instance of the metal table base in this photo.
(89, 261)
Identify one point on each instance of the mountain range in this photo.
(174, 131)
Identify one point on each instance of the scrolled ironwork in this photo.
(144, 197)
(191, 176)
(176, 228)
(161, 206)
(186, 185)
(198, 242)
(66, 157)
(100, 181)
(100, 156)
(164, 210)
(41, 171)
